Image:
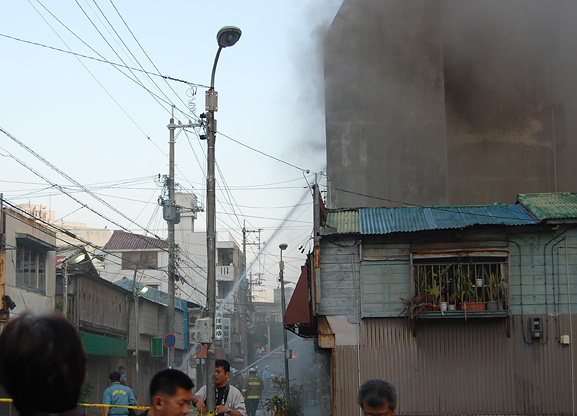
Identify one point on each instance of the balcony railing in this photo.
(225, 273)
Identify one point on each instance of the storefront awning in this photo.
(298, 310)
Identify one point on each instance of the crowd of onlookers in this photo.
(43, 366)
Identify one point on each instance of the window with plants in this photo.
(458, 283)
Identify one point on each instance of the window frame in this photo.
(457, 284)
(141, 260)
(31, 267)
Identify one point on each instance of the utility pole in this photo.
(227, 36)
(211, 240)
(171, 222)
(171, 214)
(136, 329)
(245, 243)
(4, 312)
(65, 289)
(287, 352)
(246, 294)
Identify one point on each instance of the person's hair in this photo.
(377, 393)
(114, 376)
(42, 356)
(167, 381)
(224, 364)
(121, 368)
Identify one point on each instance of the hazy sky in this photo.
(105, 126)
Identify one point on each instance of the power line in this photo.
(146, 54)
(263, 153)
(88, 243)
(73, 181)
(103, 61)
(66, 232)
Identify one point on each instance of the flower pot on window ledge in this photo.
(493, 305)
(473, 306)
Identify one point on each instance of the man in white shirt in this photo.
(229, 400)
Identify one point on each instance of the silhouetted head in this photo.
(42, 363)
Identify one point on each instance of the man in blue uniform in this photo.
(117, 395)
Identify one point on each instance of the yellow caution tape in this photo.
(111, 405)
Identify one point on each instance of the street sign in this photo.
(169, 340)
(218, 327)
(226, 331)
(156, 347)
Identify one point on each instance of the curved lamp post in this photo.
(227, 36)
(287, 353)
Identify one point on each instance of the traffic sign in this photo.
(156, 347)
(169, 340)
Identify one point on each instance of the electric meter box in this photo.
(536, 327)
(203, 328)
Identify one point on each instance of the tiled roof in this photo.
(556, 205)
(121, 240)
(392, 220)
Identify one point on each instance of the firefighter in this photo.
(252, 391)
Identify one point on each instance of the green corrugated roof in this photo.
(345, 222)
(393, 220)
(545, 206)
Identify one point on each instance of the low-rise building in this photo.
(467, 309)
(27, 278)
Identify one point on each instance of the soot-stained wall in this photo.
(435, 102)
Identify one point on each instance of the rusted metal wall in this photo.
(460, 367)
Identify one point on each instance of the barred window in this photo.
(459, 283)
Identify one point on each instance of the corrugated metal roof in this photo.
(153, 295)
(345, 222)
(392, 220)
(550, 205)
(64, 254)
(121, 240)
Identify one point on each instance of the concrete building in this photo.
(27, 265)
(134, 256)
(72, 233)
(436, 102)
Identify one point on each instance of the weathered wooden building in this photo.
(114, 330)
(466, 309)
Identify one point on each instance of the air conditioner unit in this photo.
(192, 336)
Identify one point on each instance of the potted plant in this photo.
(470, 300)
(434, 293)
(278, 403)
(415, 306)
(494, 289)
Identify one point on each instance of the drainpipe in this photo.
(358, 315)
(570, 331)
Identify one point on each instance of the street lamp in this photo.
(287, 353)
(227, 36)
